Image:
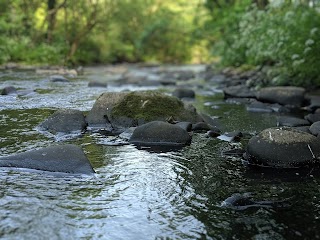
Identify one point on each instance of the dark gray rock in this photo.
(260, 107)
(292, 122)
(293, 96)
(9, 90)
(97, 84)
(183, 93)
(213, 133)
(303, 129)
(313, 117)
(58, 78)
(239, 91)
(231, 136)
(315, 128)
(200, 127)
(314, 103)
(282, 148)
(64, 121)
(160, 133)
(185, 125)
(64, 158)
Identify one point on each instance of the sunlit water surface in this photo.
(140, 194)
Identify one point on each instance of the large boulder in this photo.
(293, 96)
(161, 134)
(64, 158)
(124, 110)
(282, 148)
(64, 121)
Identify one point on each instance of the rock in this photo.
(282, 148)
(183, 93)
(238, 91)
(64, 121)
(9, 90)
(293, 96)
(302, 129)
(238, 152)
(200, 127)
(314, 103)
(123, 110)
(260, 107)
(97, 84)
(313, 117)
(64, 158)
(185, 125)
(213, 133)
(231, 136)
(315, 128)
(291, 122)
(160, 133)
(58, 78)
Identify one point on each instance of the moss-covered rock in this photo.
(122, 110)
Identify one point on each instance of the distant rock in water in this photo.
(64, 158)
(292, 96)
(160, 133)
(9, 90)
(97, 84)
(283, 147)
(58, 78)
(64, 121)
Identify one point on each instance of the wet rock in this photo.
(97, 84)
(313, 117)
(259, 107)
(123, 110)
(238, 91)
(185, 125)
(214, 123)
(238, 152)
(291, 122)
(303, 129)
(213, 133)
(282, 148)
(64, 158)
(200, 127)
(293, 96)
(315, 128)
(160, 133)
(58, 78)
(231, 136)
(314, 103)
(183, 93)
(9, 90)
(64, 121)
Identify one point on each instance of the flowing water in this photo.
(139, 194)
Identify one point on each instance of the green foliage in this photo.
(285, 36)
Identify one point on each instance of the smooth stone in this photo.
(293, 96)
(183, 93)
(67, 158)
(292, 122)
(58, 78)
(9, 90)
(282, 147)
(313, 117)
(314, 103)
(185, 125)
(200, 127)
(64, 121)
(315, 128)
(160, 133)
(97, 84)
(239, 91)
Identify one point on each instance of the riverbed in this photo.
(140, 194)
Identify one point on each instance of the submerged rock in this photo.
(9, 90)
(64, 158)
(293, 96)
(64, 121)
(160, 133)
(282, 148)
(58, 78)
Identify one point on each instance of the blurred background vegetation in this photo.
(283, 34)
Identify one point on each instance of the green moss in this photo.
(148, 106)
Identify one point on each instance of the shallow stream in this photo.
(138, 194)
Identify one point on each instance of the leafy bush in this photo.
(285, 36)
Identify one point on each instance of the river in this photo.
(139, 194)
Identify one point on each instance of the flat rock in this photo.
(64, 121)
(160, 133)
(292, 122)
(293, 96)
(238, 91)
(64, 158)
(282, 148)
